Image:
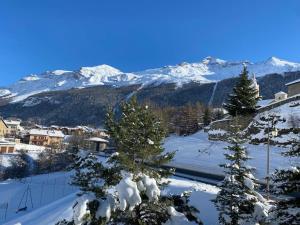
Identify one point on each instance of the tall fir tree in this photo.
(287, 183)
(244, 98)
(238, 202)
(138, 135)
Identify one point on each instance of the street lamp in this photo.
(274, 132)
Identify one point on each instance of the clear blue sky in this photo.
(39, 35)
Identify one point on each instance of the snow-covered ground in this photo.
(196, 152)
(41, 190)
(289, 115)
(49, 214)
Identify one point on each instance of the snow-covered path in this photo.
(196, 152)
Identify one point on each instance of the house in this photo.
(45, 137)
(293, 88)
(3, 128)
(7, 146)
(14, 126)
(98, 144)
(280, 96)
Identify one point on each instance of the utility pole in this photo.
(268, 163)
(272, 132)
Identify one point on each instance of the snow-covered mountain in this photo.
(208, 70)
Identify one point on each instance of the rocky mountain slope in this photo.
(209, 70)
(87, 106)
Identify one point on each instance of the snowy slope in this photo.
(208, 70)
(62, 208)
(197, 152)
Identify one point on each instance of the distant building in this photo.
(98, 144)
(293, 88)
(45, 137)
(7, 146)
(3, 128)
(280, 96)
(14, 126)
(255, 85)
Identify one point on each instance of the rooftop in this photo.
(293, 82)
(97, 139)
(50, 133)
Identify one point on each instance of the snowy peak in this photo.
(104, 70)
(210, 69)
(279, 62)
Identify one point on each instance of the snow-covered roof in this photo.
(5, 142)
(50, 133)
(13, 122)
(281, 93)
(293, 82)
(97, 139)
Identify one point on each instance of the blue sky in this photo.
(132, 35)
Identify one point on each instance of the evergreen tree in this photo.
(138, 136)
(127, 190)
(287, 182)
(238, 202)
(207, 116)
(243, 100)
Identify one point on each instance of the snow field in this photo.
(39, 190)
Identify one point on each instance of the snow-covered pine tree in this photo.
(243, 100)
(287, 182)
(127, 190)
(238, 201)
(138, 135)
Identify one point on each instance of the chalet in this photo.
(293, 88)
(7, 146)
(45, 137)
(14, 126)
(3, 128)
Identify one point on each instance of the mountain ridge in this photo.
(208, 70)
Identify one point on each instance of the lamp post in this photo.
(273, 133)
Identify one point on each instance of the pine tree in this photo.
(128, 190)
(238, 202)
(287, 182)
(138, 136)
(207, 116)
(243, 100)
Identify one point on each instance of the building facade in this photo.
(14, 127)
(3, 128)
(293, 88)
(45, 137)
(7, 147)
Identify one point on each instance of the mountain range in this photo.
(81, 97)
(208, 70)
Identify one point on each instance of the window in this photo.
(11, 149)
(3, 150)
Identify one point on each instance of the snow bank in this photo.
(129, 195)
(177, 218)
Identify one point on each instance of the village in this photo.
(149, 112)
